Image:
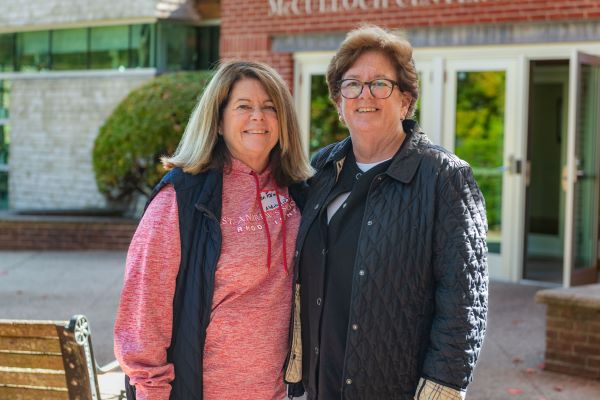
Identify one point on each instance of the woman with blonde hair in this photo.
(205, 307)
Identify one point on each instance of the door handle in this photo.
(514, 166)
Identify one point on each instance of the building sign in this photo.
(305, 7)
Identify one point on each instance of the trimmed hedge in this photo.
(146, 125)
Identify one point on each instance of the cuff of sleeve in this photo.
(152, 393)
(428, 390)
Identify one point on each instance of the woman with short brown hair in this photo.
(392, 265)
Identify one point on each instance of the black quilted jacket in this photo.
(420, 283)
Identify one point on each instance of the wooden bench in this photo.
(48, 360)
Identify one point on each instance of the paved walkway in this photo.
(56, 285)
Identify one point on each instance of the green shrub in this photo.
(146, 125)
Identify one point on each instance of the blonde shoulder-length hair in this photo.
(202, 148)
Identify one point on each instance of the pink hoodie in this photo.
(247, 337)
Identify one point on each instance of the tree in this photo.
(480, 134)
(146, 125)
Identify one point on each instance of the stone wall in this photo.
(55, 119)
(39, 14)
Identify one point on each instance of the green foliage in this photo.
(146, 125)
(480, 133)
(325, 127)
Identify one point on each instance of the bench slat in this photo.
(20, 360)
(26, 329)
(17, 393)
(33, 377)
(42, 360)
(30, 344)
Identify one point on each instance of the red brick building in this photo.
(509, 85)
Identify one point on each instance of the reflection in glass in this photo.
(33, 51)
(69, 49)
(141, 39)
(480, 138)
(3, 190)
(109, 47)
(208, 46)
(4, 145)
(325, 127)
(4, 99)
(586, 189)
(179, 45)
(7, 52)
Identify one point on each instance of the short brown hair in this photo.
(371, 37)
(202, 148)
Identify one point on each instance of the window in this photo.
(179, 47)
(480, 139)
(7, 52)
(141, 49)
(208, 46)
(109, 47)
(33, 51)
(325, 127)
(69, 49)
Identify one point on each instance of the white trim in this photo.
(547, 51)
(519, 152)
(3, 121)
(305, 66)
(94, 73)
(209, 22)
(571, 165)
(4, 168)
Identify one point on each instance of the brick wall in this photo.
(247, 27)
(54, 121)
(572, 337)
(66, 234)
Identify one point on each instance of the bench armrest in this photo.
(111, 366)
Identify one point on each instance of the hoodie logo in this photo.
(254, 221)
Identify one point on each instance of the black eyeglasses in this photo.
(379, 88)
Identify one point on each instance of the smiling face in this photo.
(367, 116)
(250, 126)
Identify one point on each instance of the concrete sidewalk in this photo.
(56, 285)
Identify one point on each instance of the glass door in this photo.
(546, 158)
(476, 127)
(582, 199)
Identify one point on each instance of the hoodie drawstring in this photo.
(266, 224)
(264, 217)
(281, 213)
